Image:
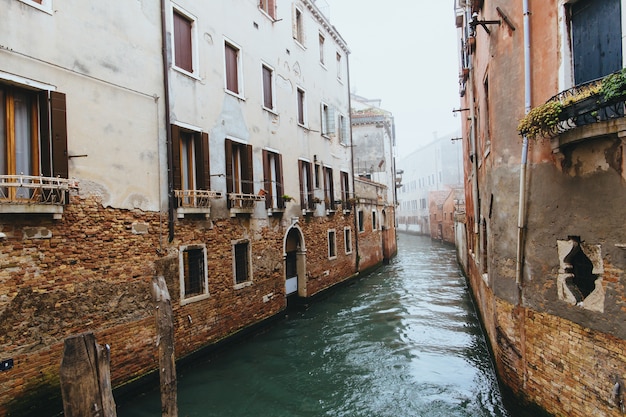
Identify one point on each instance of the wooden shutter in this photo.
(267, 88)
(279, 181)
(58, 129)
(201, 145)
(182, 42)
(267, 178)
(176, 174)
(301, 176)
(228, 145)
(232, 83)
(309, 184)
(247, 181)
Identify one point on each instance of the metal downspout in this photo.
(168, 130)
(354, 211)
(521, 221)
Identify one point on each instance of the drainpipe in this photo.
(521, 221)
(354, 210)
(168, 131)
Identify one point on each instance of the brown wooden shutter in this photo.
(176, 174)
(58, 129)
(310, 184)
(228, 146)
(267, 178)
(203, 174)
(182, 42)
(267, 88)
(232, 83)
(247, 182)
(279, 182)
(300, 175)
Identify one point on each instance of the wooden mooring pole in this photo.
(85, 377)
(165, 343)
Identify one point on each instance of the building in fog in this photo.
(433, 167)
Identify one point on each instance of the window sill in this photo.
(304, 126)
(299, 44)
(266, 14)
(236, 95)
(186, 73)
(242, 285)
(275, 211)
(46, 7)
(271, 111)
(193, 299)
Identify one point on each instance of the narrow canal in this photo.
(403, 341)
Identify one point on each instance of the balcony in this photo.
(34, 194)
(195, 202)
(243, 203)
(588, 110)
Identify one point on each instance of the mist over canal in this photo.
(402, 341)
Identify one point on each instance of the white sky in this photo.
(404, 52)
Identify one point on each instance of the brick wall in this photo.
(92, 271)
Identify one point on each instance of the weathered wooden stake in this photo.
(165, 343)
(85, 377)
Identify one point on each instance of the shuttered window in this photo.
(232, 68)
(239, 173)
(329, 188)
(306, 185)
(268, 88)
(273, 179)
(596, 38)
(269, 7)
(190, 158)
(33, 135)
(183, 53)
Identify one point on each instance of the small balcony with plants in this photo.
(242, 203)
(30, 194)
(588, 110)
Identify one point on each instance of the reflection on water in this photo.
(403, 341)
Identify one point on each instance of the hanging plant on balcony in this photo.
(614, 86)
(541, 120)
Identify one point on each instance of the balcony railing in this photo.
(195, 201)
(34, 194)
(243, 203)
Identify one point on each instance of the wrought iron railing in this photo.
(583, 105)
(35, 190)
(244, 201)
(196, 198)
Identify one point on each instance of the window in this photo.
(596, 53)
(328, 120)
(374, 221)
(332, 244)
(241, 262)
(239, 176)
(345, 186)
(306, 185)
(33, 136)
(329, 188)
(317, 176)
(322, 40)
(343, 130)
(184, 33)
(194, 284)
(232, 60)
(269, 7)
(361, 221)
(273, 179)
(301, 97)
(298, 30)
(268, 87)
(347, 239)
(339, 64)
(190, 162)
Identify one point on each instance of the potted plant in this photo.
(286, 197)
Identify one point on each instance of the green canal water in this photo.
(402, 341)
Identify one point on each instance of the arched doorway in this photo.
(295, 262)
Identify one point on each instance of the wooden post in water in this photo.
(165, 343)
(85, 377)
